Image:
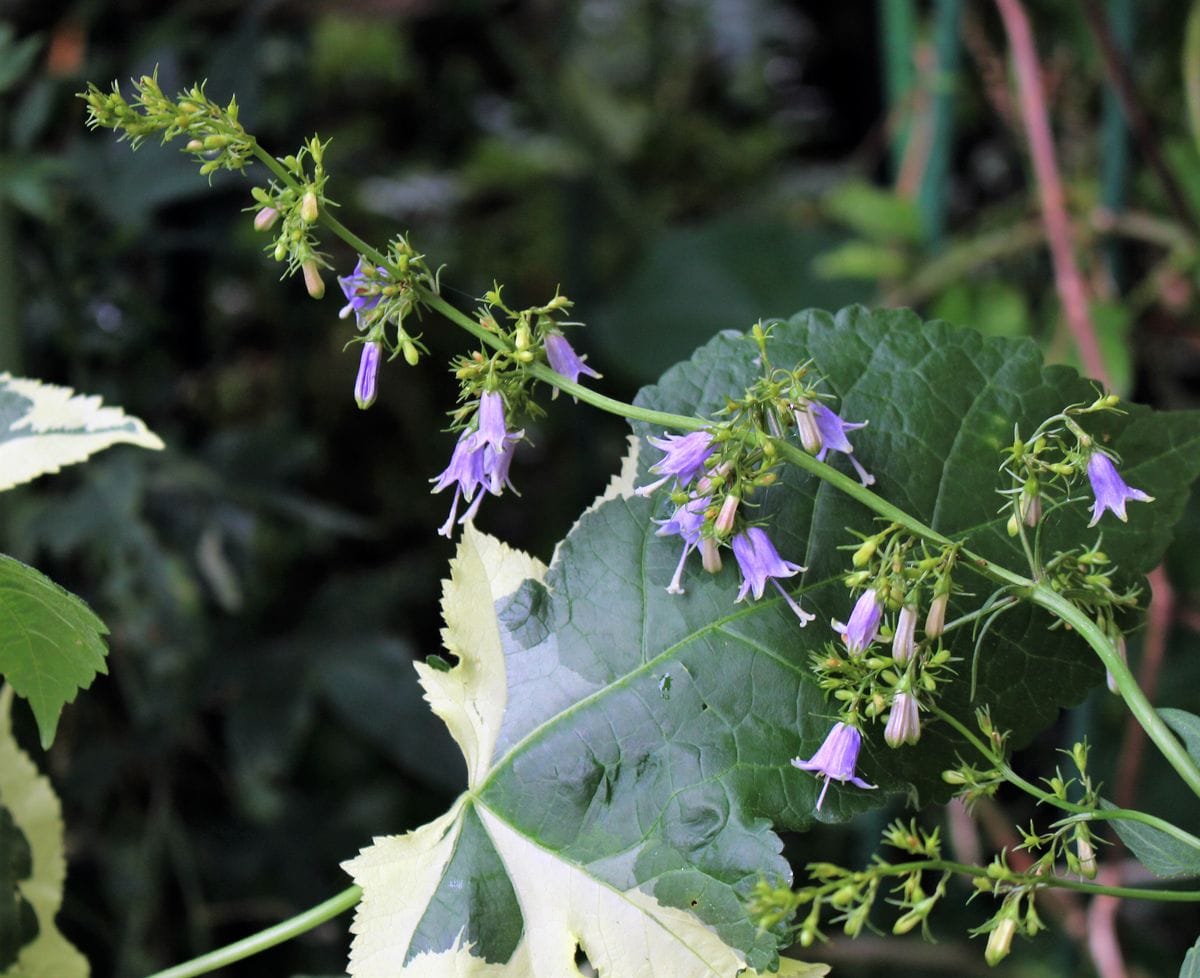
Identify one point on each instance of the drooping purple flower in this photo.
(835, 759)
(480, 461)
(683, 458)
(564, 360)
(1110, 489)
(759, 561)
(686, 522)
(863, 627)
(360, 291)
(368, 371)
(832, 430)
(904, 720)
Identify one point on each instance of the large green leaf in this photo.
(51, 643)
(629, 749)
(1191, 962)
(28, 801)
(44, 427)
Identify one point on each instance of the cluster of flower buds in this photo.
(494, 387)
(290, 209)
(214, 135)
(896, 581)
(382, 298)
(1057, 455)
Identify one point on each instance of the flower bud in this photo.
(806, 427)
(1087, 854)
(904, 722)
(862, 556)
(902, 641)
(194, 146)
(724, 521)
(312, 279)
(1000, 941)
(411, 354)
(935, 621)
(710, 555)
(1122, 651)
(368, 371)
(265, 219)
(308, 208)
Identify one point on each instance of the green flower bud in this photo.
(1000, 941)
(309, 210)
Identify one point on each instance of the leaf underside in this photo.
(629, 749)
(44, 427)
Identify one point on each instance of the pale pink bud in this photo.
(710, 555)
(1000, 941)
(312, 279)
(724, 521)
(1123, 652)
(806, 427)
(935, 621)
(265, 219)
(903, 640)
(308, 208)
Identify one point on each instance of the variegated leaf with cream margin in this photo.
(44, 427)
(474, 893)
(35, 811)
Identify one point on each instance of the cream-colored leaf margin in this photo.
(36, 811)
(60, 427)
(625, 934)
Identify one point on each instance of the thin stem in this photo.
(1067, 278)
(1095, 889)
(255, 943)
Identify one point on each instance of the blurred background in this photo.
(678, 167)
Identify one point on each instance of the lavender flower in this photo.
(1110, 489)
(564, 360)
(835, 759)
(481, 460)
(686, 522)
(832, 430)
(368, 371)
(759, 561)
(683, 458)
(863, 627)
(904, 721)
(361, 293)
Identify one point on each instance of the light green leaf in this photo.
(1191, 963)
(597, 798)
(50, 642)
(876, 214)
(44, 427)
(477, 891)
(35, 812)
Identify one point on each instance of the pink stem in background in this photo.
(1067, 278)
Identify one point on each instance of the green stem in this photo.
(1135, 699)
(264, 939)
(1094, 889)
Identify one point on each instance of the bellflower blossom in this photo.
(759, 561)
(356, 287)
(835, 759)
(686, 522)
(368, 371)
(1110, 489)
(480, 461)
(564, 360)
(683, 458)
(832, 430)
(863, 627)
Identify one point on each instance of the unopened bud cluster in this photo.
(290, 209)
(214, 135)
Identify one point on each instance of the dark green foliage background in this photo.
(268, 579)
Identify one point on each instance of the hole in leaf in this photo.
(703, 707)
(695, 903)
(582, 964)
